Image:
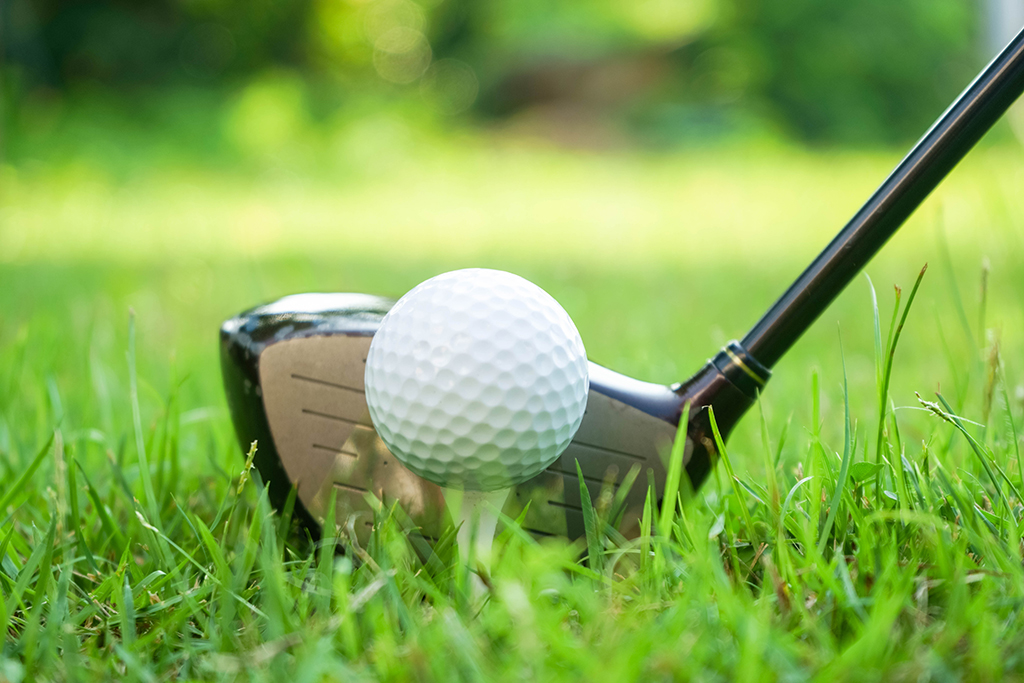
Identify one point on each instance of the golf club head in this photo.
(293, 373)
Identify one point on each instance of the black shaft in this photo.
(931, 160)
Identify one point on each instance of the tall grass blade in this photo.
(591, 524)
(675, 472)
(151, 502)
(19, 484)
(844, 468)
(958, 300)
(890, 357)
(733, 480)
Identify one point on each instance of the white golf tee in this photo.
(475, 514)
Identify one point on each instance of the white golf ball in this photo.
(477, 379)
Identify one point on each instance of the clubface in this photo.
(294, 370)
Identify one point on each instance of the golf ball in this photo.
(477, 379)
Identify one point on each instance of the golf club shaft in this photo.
(931, 160)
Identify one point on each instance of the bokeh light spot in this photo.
(402, 55)
(450, 86)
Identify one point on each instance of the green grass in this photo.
(830, 543)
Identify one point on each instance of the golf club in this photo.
(293, 371)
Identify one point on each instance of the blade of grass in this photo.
(877, 328)
(20, 484)
(720, 446)
(108, 525)
(77, 527)
(646, 525)
(675, 469)
(774, 497)
(887, 365)
(618, 507)
(151, 502)
(844, 469)
(1013, 425)
(958, 300)
(980, 451)
(35, 560)
(595, 551)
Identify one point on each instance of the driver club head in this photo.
(293, 372)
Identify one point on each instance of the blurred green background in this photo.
(663, 167)
(655, 72)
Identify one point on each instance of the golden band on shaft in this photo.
(743, 366)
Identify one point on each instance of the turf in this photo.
(831, 542)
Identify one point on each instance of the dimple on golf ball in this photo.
(477, 379)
